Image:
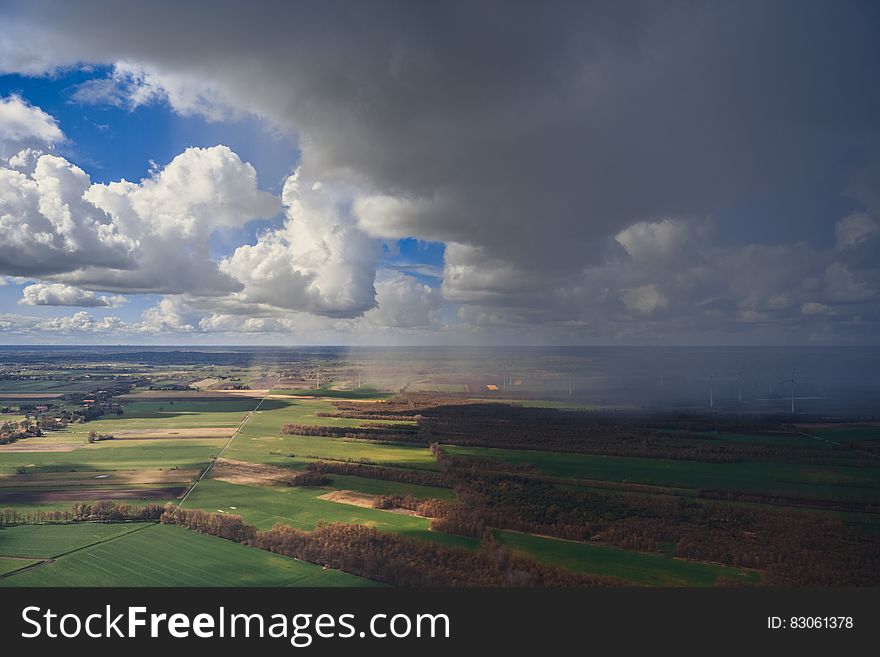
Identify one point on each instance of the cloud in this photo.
(813, 308)
(23, 125)
(132, 85)
(81, 322)
(150, 236)
(319, 261)
(855, 229)
(170, 315)
(644, 299)
(571, 157)
(58, 294)
(661, 239)
(403, 303)
(47, 226)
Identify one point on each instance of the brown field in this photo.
(835, 425)
(36, 496)
(363, 500)
(22, 447)
(155, 434)
(97, 478)
(192, 395)
(30, 395)
(241, 472)
(276, 395)
(265, 382)
(204, 383)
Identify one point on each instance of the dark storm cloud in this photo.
(526, 135)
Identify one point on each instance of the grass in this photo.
(382, 487)
(48, 541)
(814, 481)
(265, 506)
(843, 434)
(261, 441)
(274, 413)
(357, 393)
(644, 569)
(163, 555)
(183, 414)
(272, 449)
(791, 441)
(116, 455)
(8, 565)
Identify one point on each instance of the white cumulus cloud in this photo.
(23, 125)
(319, 261)
(58, 294)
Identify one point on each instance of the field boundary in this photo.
(834, 442)
(219, 454)
(145, 523)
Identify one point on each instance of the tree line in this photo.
(779, 542)
(680, 436)
(99, 511)
(388, 557)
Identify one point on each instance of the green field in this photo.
(357, 393)
(787, 441)
(183, 414)
(858, 432)
(274, 413)
(8, 565)
(642, 568)
(814, 481)
(265, 506)
(382, 487)
(116, 455)
(273, 448)
(163, 555)
(261, 441)
(47, 541)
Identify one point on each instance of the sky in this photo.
(390, 172)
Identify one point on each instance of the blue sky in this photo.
(111, 143)
(584, 175)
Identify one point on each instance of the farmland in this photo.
(820, 482)
(303, 508)
(640, 568)
(47, 541)
(458, 465)
(10, 564)
(158, 555)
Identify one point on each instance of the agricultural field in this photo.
(156, 451)
(817, 482)
(49, 541)
(172, 432)
(161, 555)
(641, 568)
(384, 487)
(304, 508)
(10, 564)
(329, 393)
(260, 439)
(842, 434)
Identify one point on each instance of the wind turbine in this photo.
(792, 382)
(739, 385)
(711, 391)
